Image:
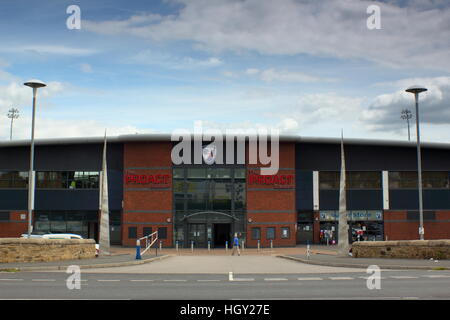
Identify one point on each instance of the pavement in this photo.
(320, 256)
(117, 260)
(349, 262)
(216, 264)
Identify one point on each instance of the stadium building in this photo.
(202, 202)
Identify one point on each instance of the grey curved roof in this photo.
(167, 137)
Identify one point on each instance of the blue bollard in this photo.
(138, 250)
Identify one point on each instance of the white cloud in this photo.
(251, 71)
(434, 105)
(16, 95)
(271, 75)
(49, 49)
(166, 60)
(52, 128)
(411, 35)
(86, 68)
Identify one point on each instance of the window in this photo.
(436, 180)
(270, 233)
(328, 180)
(363, 180)
(162, 233)
(256, 233)
(219, 173)
(285, 233)
(178, 173)
(354, 180)
(408, 180)
(196, 173)
(13, 179)
(67, 180)
(239, 173)
(147, 231)
(132, 232)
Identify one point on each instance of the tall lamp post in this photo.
(406, 115)
(12, 114)
(35, 84)
(416, 90)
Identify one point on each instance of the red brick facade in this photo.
(15, 226)
(397, 227)
(269, 205)
(147, 205)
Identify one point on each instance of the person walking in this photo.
(236, 245)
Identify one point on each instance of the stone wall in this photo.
(409, 249)
(44, 250)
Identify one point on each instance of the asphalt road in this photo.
(394, 285)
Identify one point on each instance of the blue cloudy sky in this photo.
(305, 67)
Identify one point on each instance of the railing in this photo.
(149, 241)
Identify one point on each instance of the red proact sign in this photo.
(278, 180)
(153, 179)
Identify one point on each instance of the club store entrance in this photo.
(221, 234)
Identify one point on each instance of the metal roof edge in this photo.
(167, 137)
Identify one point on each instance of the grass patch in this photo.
(10, 270)
(439, 268)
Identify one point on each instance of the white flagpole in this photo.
(104, 244)
(343, 245)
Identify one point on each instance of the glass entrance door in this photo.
(197, 233)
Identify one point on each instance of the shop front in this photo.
(364, 225)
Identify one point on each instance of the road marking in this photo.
(115, 280)
(403, 277)
(11, 279)
(43, 280)
(175, 280)
(142, 280)
(311, 278)
(275, 279)
(381, 278)
(208, 280)
(341, 278)
(436, 276)
(244, 279)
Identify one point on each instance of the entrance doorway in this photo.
(222, 233)
(197, 233)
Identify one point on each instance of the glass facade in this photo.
(209, 205)
(83, 223)
(354, 180)
(51, 179)
(408, 180)
(13, 179)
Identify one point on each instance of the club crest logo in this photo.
(209, 154)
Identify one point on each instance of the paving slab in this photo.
(223, 265)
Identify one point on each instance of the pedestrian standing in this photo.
(236, 245)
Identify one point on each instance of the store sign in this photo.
(278, 180)
(352, 215)
(156, 180)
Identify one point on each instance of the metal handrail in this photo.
(149, 241)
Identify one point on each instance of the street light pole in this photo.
(35, 84)
(416, 90)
